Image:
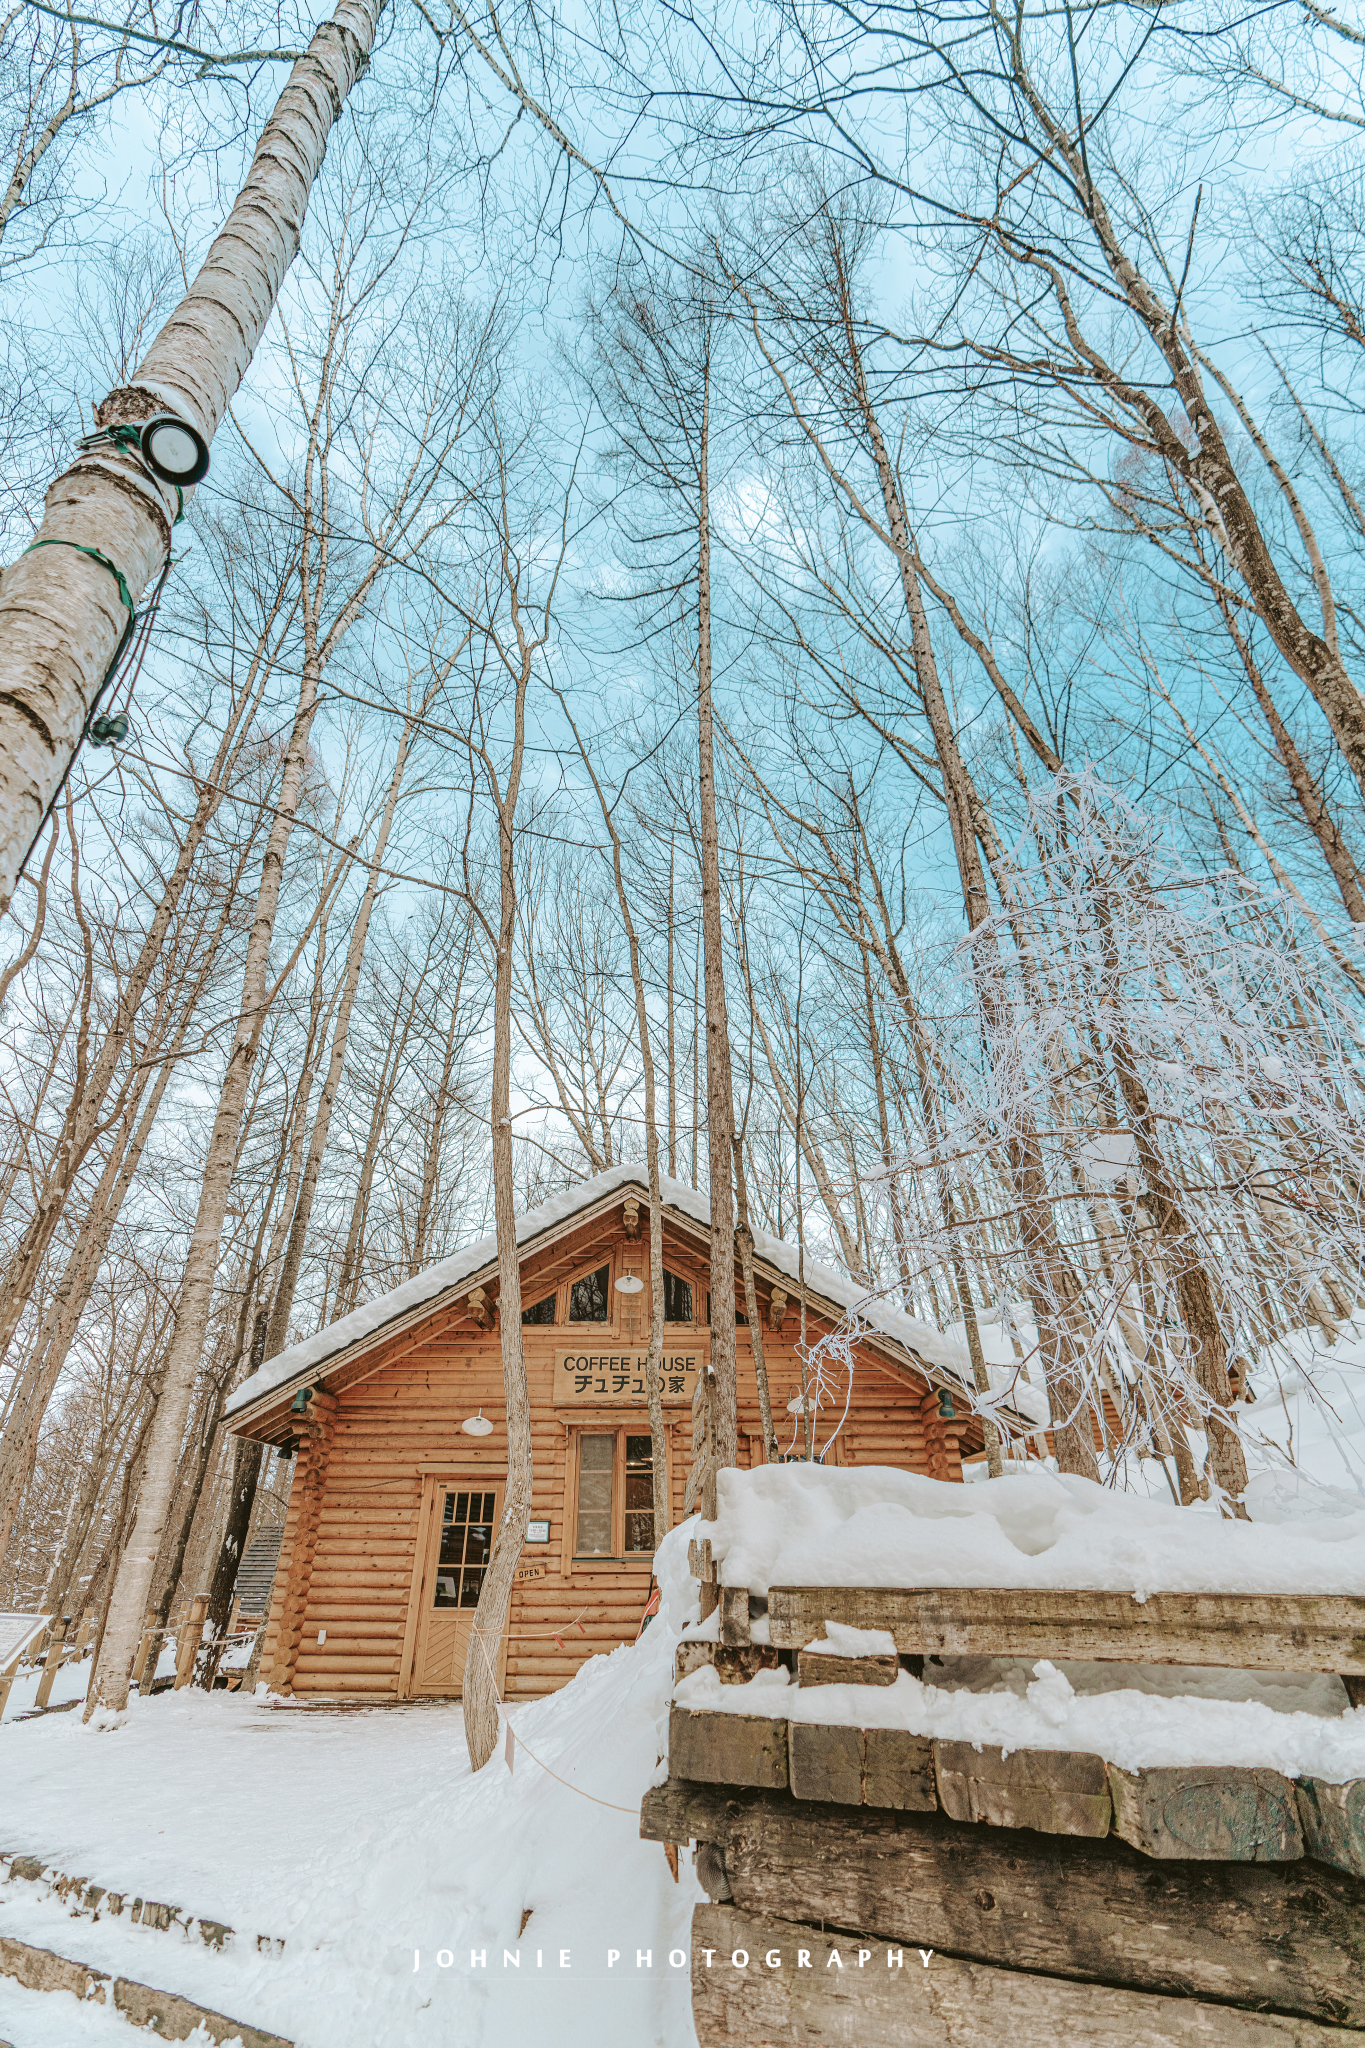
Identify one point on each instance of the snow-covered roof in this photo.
(943, 1355)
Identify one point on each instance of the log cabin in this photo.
(394, 1418)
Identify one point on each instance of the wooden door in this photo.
(464, 1518)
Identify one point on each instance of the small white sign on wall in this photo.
(538, 1532)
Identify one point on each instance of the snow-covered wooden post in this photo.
(144, 1649)
(106, 531)
(191, 1636)
(17, 1634)
(53, 1659)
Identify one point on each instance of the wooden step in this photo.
(164, 2013)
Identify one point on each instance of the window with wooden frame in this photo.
(612, 1512)
(590, 1296)
(540, 1311)
(677, 1298)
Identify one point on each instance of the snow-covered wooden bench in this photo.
(1214, 1813)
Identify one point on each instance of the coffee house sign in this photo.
(592, 1376)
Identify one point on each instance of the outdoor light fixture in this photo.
(174, 451)
(477, 1425)
(796, 1406)
(630, 1283)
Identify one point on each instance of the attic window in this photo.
(543, 1312)
(588, 1297)
(677, 1299)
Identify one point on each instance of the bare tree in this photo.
(67, 605)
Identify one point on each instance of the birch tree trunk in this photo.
(744, 1238)
(654, 1360)
(57, 1330)
(34, 1386)
(495, 1594)
(62, 612)
(109, 1685)
(353, 1259)
(720, 1112)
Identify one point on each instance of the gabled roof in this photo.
(940, 1357)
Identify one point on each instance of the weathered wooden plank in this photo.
(1239, 1631)
(735, 1663)
(861, 1766)
(1333, 1818)
(757, 1979)
(899, 1773)
(727, 1749)
(1285, 1936)
(1056, 1791)
(734, 1615)
(1217, 1812)
(826, 1763)
(813, 1667)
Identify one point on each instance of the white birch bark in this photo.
(61, 612)
(720, 1112)
(109, 1685)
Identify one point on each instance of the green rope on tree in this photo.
(104, 563)
(130, 437)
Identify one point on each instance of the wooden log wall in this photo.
(340, 1612)
(310, 1483)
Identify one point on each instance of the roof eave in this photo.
(898, 1353)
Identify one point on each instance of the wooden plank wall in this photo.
(402, 1412)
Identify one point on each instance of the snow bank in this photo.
(814, 1525)
(363, 1839)
(1136, 1728)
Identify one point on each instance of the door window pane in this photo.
(639, 1493)
(543, 1312)
(466, 1546)
(677, 1299)
(596, 1460)
(588, 1297)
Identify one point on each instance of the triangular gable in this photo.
(900, 1338)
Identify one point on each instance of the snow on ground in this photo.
(1306, 1430)
(816, 1525)
(71, 1683)
(364, 1841)
(363, 1838)
(58, 2019)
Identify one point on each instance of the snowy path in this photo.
(361, 1838)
